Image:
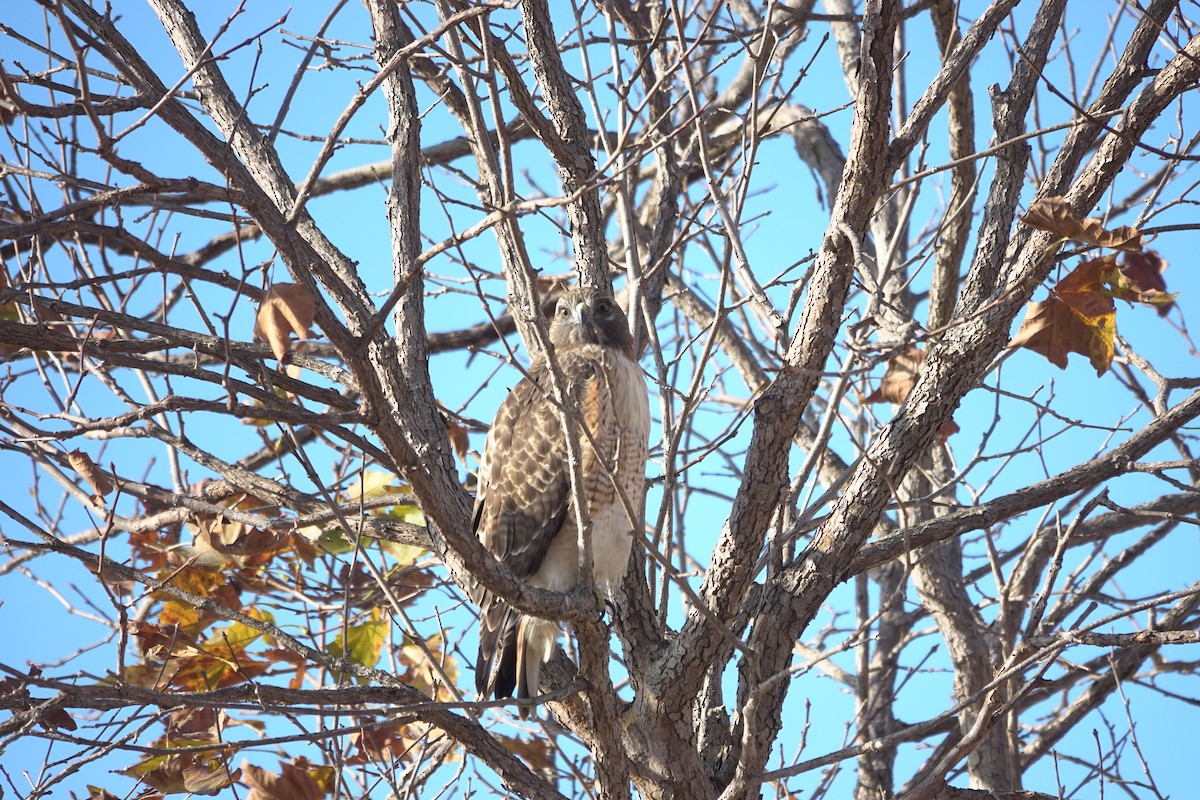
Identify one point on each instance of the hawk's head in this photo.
(586, 316)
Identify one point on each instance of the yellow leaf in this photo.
(374, 483)
(405, 554)
(197, 773)
(408, 513)
(363, 643)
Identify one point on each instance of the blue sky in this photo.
(784, 222)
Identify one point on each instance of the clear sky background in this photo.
(785, 222)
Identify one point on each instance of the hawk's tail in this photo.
(496, 666)
(535, 644)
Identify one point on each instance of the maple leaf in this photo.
(287, 308)
(202, 723)
(1079, 316)
(537, 751)
(421, 674)
(385, 744)
(374, 483)
(97, 793)
(1054, 214)
(199, 581)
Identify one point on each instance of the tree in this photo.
(884, 553)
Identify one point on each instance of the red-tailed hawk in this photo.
(523, 512)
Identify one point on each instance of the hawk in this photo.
(523, 511)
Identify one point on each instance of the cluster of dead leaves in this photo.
(201, 768)
(216, 661)
(188, 647)
(1080, 315)
(206, 771)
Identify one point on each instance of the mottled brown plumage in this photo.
(523, 511)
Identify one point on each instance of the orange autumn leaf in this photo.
(537, 751)
(1054, 215)
(947, 430)
(1079, 316)
(287, 308)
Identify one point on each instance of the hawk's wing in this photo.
(522, 503)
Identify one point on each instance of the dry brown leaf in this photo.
(1054, 215)
(177, 773)
(57, 718)
(381, 744)
(899, 378)
(1079, 316)
(1144, 274)
(458, 440)
(537, 751)
(947, 430)
(16, 696)
(82, 463)
(201, 724)
(287, 308)
(295, 782)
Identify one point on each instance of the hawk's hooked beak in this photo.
(583, 313)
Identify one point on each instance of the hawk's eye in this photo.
(563, 311)
(604, 306)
